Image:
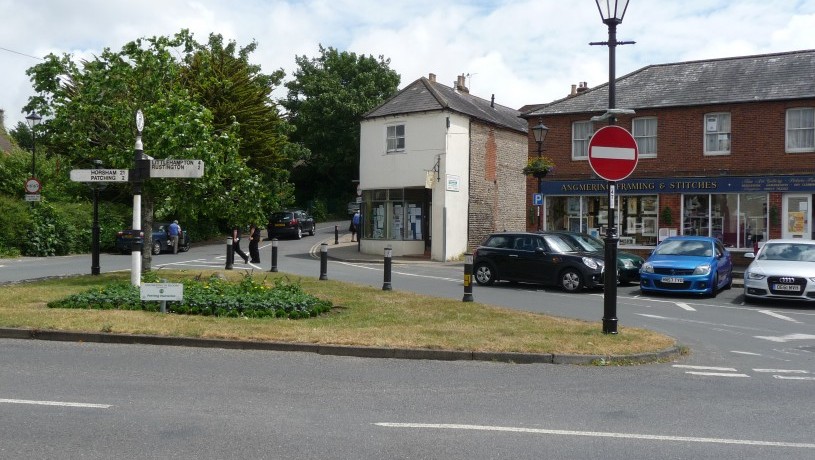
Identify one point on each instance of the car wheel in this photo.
(156, 249)
(313, 228)
(299, 233)
(185, 247)
(714, 286)
(484, 274)
(729, 281)
(571, 280)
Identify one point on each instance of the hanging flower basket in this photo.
(539, 167)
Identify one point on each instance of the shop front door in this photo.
(796, 216)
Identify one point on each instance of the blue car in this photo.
(688, 264)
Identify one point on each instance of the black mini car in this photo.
(542, 258)
(291, 223)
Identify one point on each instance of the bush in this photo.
(211, 297)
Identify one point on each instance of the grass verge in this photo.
(362, 316)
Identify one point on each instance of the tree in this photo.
(88, 113)
(326, 102)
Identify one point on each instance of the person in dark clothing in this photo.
(236, 247)
(254, 240)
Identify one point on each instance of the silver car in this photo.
(781, 269)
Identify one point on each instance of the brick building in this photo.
(439, 169)
(726, 149)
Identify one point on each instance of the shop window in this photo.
(638, 222)
(393, 214)
(645, 133)
(737, 220)
(717, 134)
(801, 130)
(581, 133)
(396, 138)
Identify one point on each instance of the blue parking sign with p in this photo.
(537, 199)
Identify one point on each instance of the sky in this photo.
(521, 51)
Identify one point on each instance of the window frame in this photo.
(706, 132)
(585, 140)
(788, 129)
(395, 137)
(646, 136)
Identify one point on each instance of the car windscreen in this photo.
(685, 248)
(788, 251)
(559, 243)
(587, 242)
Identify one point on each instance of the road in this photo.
(744, 392)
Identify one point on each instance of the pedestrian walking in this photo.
(254, 240)
(174, 232)
(354, 226)
(236, 246)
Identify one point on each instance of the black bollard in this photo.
(386, 285)
(468, 278)
(274, 255)
(323, 261)
(230, 256)
(336, 234)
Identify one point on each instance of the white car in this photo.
(782, 269)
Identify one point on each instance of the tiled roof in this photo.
(424, 95)
(766, 77)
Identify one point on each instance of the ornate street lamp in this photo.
(33, 120)
(540, 132)
(612, 13)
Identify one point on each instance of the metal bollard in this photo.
(274, 255)
(336, 234)
(230, 256)
(468, 278)
(386, 285)
(323, 261)
(163, 307)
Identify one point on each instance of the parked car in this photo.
(781, 269)
(158, 243)
(290, 223)
(688, 264)
(548, 259)
(628, 264)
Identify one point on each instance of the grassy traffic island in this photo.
(279, 307)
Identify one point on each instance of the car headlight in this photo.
(647, 268)
(703, 269)
(594, 264)
(627, 263)
(754, 276)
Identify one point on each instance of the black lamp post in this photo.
(540, 132)
(612, 12)
(33, 120)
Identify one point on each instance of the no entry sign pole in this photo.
(613, 156)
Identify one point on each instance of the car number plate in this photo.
(279, 225)
(786, 287)
(672, 280)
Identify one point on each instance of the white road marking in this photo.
(379, 268)
(704, 368)
(56, 403)
(779, 316)
(685, 306)
(782, 371)
(745, 353)
(792, 377)
(786, 338)
(598, 434)
(716, 374)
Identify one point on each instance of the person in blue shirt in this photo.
(354, 226)
(174, 231)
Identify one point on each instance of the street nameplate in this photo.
(99, 175)
(162, 291)
(177, 168)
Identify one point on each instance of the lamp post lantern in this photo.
(33, 120)
(540, 131)
(612, 13)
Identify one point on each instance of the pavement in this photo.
(346, 250)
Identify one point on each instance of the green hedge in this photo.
(211, 297)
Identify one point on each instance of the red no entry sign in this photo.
(613, 153)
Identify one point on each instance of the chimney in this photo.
(432, 77)
(492, 101)
(461, 84)
(583, 87)
(574, 90)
